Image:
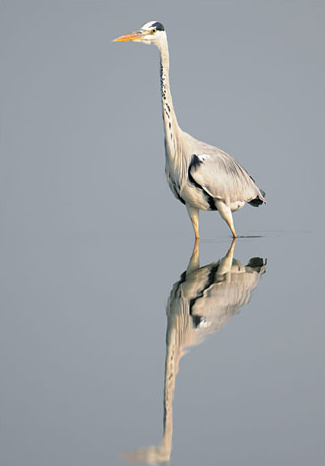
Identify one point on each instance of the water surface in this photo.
(89, 374)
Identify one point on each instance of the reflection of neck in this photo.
(176, 330)
(171, 369)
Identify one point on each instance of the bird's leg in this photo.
(226, 214)
(193, 213)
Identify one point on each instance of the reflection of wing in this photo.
(204, 299)
(224, 295)
(199, 304)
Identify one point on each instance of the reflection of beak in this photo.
(137, 35)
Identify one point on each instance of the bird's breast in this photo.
(194, 196)
(182, 188)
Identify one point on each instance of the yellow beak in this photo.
(137, 35)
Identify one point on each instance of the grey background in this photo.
(92, 240)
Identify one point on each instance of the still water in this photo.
(152, 351)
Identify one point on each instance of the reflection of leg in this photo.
(232, 248)
(194, 263)
(194, 216)
(226, 262)
(226, 214)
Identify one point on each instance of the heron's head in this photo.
(150, 33)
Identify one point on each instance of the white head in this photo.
(150, 33)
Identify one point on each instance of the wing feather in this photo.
(222, 177)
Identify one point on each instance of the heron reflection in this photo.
(203, 300)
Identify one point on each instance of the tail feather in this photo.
(258, 201)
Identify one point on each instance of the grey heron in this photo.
(200, 303)
(201, 176)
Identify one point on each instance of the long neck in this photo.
(169, 116)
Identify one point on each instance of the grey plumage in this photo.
(220, 175)
(201, 176)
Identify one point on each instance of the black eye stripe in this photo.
(158, 26)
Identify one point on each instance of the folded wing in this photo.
(223, 178)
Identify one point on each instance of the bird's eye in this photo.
(153, 31)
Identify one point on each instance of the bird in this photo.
(200, 176)
(201, 302)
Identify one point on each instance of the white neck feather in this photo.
(169, 116)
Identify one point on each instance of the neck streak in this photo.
(169, 116)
